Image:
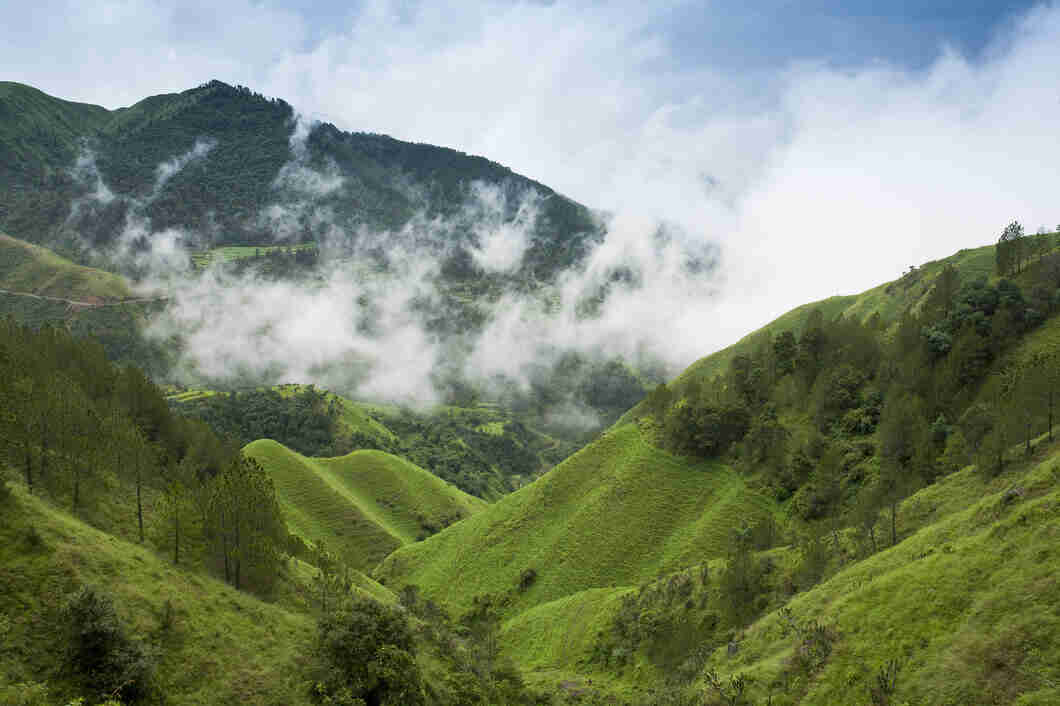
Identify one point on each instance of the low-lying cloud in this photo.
(768, 190)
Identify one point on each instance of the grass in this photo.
(225, 647)
(363, 505)
(228, 253)
(25, 267)
(618, 513)
(968, 603)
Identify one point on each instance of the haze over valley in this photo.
(529, 353)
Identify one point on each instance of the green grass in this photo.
(363, 505)
(225, 647)
(617, 513)
(228, 253)
(30, 268)
(968, 603)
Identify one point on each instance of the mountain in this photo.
(216, 160)
(363, 505)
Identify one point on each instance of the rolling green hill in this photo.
(32, 269)
(966, 604)
(362, 505)
(617, 513)
(223, 646)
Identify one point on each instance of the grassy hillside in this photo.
(223, 646)
(889, 300)
(362, 505)
(617, 513)
(29, 268)
(966, 604)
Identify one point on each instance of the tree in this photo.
(785, 352)
(246, 524)
(1009, 253)
(1041, 384)
(365, 651)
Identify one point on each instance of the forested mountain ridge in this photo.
(227, 149)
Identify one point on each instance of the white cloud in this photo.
(812, 181)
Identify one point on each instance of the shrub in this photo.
(365, 651)
(99, 653)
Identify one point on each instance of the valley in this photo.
(282, 422)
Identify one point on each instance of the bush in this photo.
(102, 658)
(365, 651)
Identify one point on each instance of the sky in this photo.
(822, 146)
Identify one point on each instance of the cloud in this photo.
(799, 182)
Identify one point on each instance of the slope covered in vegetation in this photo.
(27, 268)
(618, 512)
(362, 505)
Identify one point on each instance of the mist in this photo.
(729, 197)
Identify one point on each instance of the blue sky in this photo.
(825, 146)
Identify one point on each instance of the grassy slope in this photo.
(30, 268)
(889, 300)
(364, 504)
(226, 647)
(617, 513)
(968, 603)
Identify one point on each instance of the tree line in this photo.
(88, 434)
(847, 416)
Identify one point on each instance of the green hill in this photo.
(617, 513)
(362, 505)
(27, 268)
(965, 604)
(222, 646)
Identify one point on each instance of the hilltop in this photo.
(363, 505)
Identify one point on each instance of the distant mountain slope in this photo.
(28, 268)
(226, 148)
(362, 505)
(617, 513)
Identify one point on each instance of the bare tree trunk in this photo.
(894, 522)
(29, 464)
(139, 501)
(1050, 414)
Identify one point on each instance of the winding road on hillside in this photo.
(83, 304)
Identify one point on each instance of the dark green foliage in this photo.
(742, 583)
(1011, 250)
(885, 684)
(698, 428)
(304, 421)
(245, 525)
(366, 655)
(86, 433)
(104, 660)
